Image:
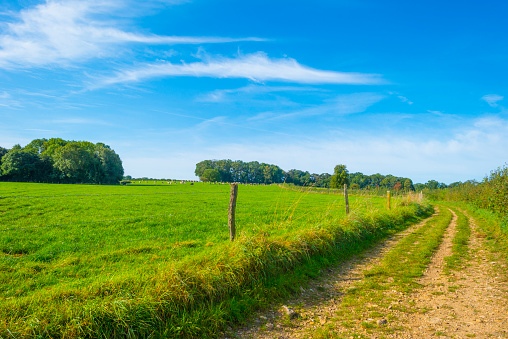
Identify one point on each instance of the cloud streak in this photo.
(492, 99)
(257, 67)
(81, 121)
(63, 32)
(224, 95)
(344, 104)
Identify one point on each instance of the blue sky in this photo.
(413, 89)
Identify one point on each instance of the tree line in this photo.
(256, 173)
(61, 161)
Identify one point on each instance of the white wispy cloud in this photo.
(60, 32)
(256, 67)
(6, 100)
(343, 104)
(401, 97)
(222, 95)
(81, 121)
(404, 99)
(38, 130)
(492, 99)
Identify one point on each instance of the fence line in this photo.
(114, 194)
(142, 217)
(290, 205)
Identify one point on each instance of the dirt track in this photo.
(469, 303)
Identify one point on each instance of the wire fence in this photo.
(174, 231)
(140, 217)
(116, 194)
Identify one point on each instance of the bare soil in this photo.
(469, 303)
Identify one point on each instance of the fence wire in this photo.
(117, 194)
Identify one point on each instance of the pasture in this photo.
(138, 260)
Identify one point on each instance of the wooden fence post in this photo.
(345, 197)
(388, 198)
(232, 208)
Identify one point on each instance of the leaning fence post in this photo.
(345, 197)
(388, 198)
(232, 208)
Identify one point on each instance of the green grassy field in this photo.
(154, 259)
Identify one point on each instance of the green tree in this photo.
(455, 184)
(202, 166)
(3, 151)
(418, 186)
(52, 145)
(432, 184)
(111, 168)
(323, 180)
(19, 165)
(408, 185)
(210, 175)
(76, 164)
(37, 146)
(340, 177)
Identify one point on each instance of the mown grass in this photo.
(394, 277)
(155, 261)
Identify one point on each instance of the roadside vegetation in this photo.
(486, 202)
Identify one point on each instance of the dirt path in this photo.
(468, 303)
(318, 301)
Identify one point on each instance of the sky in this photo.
(415, 89)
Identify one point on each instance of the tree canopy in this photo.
(340, 177)
(58, 160)
(211, 175)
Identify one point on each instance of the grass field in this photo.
(139, 260)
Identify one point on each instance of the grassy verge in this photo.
(202, 297)
(396, 275)
(460, 242)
